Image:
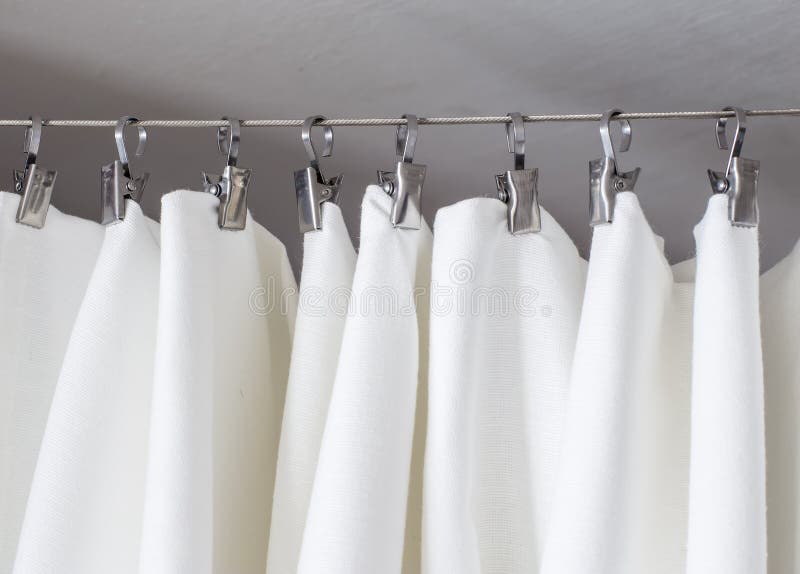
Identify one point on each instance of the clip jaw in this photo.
(311, 187)
(740, 179)
(116, 182)
(518, 188)
(312, 191)
(605, 179)
(404, 184)
(231, 186)
(34, 184)
(605, 182)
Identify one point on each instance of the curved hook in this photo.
(228, 138)
(305, 134)
(515, 136)
(407, 138)
(605, 133)
(119, 136)
(33, 137)
(738, 138)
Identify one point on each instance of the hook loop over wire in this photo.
(119, 136)
(738, 138)
(228, 138)
(605, 133)
(33, 138)
(515, 136)
(305, 134)
(407, 138)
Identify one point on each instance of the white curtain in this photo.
(464, 401)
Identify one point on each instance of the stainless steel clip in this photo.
(231, 186)
(116, 182)
(518, 187)
(310, 186)
(605, 179)
(404, 184)
(740, 180)
(35, 184)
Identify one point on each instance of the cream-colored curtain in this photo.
(463, 400)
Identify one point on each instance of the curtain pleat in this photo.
(727, 476)
(84, 512)
(465, 401)
(780, 330)
(43, 277)
(504, 317)
(357, 513)
(225, 312)
(324, 299)
(621, 499)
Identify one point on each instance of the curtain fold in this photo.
(727, 477)
(504, 317)
(84, 512)
(43, 277)
(323, 303)
(461, 401)
(780, 329)
(365, 481)
(621, 501)
(225, 312)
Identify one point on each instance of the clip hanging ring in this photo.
(305, 134)
(515, 136)
(119, 136)
(605, 134)
(33, 138)
(407, 138)
(228, 138)
(738, 138)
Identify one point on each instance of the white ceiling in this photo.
(100, 59)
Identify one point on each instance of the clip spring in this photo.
(605, 179)
(231, 186)
(518, 188)
(310, 186)
(35, 184)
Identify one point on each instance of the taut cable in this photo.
(366, 122)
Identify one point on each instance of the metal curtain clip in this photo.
(404, 184)
(518, 187)
(310, 186)
(34, 183)
(116, 182)
(740, 180)
(231, 186)
(605, 179)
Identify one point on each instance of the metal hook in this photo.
(605, 134)
(116, 182)
(311, 188)
(740, 179)
(33, 138)
(34, 183)
(231, 185)
(515, 136)
(407, 138)
(228, 138)
(305, 134)
(119, 136)
(605, 177)
(518, 188)
(738, 138)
